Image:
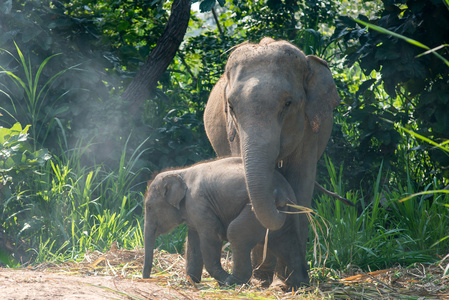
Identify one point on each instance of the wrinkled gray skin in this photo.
(211, 198)
(273, 106)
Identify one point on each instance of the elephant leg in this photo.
(301, 173)
(243, 233)
(211, 249)
(263, 269)
(302, 268)
(194, 258)
(291, 266)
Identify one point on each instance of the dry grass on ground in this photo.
(116, 274)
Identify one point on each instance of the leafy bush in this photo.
(383, 232)
(68, 209)
(19, 165)
(17, 158)
(400, 84)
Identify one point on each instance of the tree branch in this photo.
(183, 60)
(335, 195)
(214, 13)
(159, 59)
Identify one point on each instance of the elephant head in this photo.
(279, 102)
(162, 211)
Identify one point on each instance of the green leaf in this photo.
(386, 31)
(9, 163)
(433, 49)
(207, 5)
(446, 2)
(38, 74)
(424, 193)
(42, 155)
(25, 130)
(60, 110)
(27, 74)
(441, 146)
(122, 26)
(16, 127)
(4, 134)
(408, 40)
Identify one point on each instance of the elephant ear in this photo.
(174, 189)
(322, 96)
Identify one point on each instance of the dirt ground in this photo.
(28, 284)
(112, 275)
(117, 275)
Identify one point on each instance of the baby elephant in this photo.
(211, 198)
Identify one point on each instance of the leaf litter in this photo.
(418, 281)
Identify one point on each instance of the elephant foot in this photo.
(279, 284)
(195, 279)
(231, 280)
(286, 285)
(220, 276)
(296, 281)
(265, 277)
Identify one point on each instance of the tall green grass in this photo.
(381, 231)
(30, 99)
(69, 208)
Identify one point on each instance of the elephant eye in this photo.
(231, 108)
(285, 109)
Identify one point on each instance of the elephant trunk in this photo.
(150, 238)
(259, 163)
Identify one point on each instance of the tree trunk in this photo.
(157, 62)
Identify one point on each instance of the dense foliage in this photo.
(64, 65)
(402, 85)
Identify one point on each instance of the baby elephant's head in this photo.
(162, 202)
(162, 211)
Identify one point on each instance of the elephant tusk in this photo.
(280, 164)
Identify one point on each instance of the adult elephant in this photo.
(273, 106)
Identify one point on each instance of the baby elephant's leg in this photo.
(243, 234)
(194, 259)
(211, 250)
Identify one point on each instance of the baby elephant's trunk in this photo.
(150, 238)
